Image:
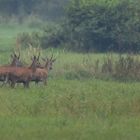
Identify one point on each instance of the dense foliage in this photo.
(104, 25)
(88, 25)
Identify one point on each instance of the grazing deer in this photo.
(41, 74)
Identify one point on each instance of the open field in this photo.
(70, 109)
(75, 105)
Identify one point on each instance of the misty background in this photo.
(78, 25)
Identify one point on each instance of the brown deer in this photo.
(23, 74)
(41, 74)
(6, 69)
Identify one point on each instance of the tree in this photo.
(104, 25)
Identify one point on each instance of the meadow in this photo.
(74, 105)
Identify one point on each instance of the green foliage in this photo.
(104, 25)
(26, 39)
(52, 36)
(9, 34)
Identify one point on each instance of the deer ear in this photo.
(38, 56)
(19, 55)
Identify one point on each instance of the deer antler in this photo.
(32, 49)
(18, 54)
(52, 55)
(38, 56)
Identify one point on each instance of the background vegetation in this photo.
(79, 25)
(89, 95)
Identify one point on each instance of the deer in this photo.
(41, 74)
(5, 69)
(23, 74)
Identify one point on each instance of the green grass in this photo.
(74, 105)
(70, 109)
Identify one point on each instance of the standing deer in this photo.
(4, 70)
(23, 74)
(41, 74)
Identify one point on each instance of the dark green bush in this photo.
(52, 36)
(104, 25)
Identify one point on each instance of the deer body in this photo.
(40, 75)
(4, 70)
(21, 75)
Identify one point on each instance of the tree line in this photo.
(45, 9)
(103, 25)
(86, 25)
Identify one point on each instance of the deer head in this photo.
(15, 60)
(49, 62)
(36, 55)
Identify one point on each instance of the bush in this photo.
(25, 39)
(104, 25)
(53, 36)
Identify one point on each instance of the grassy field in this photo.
(70, 109)
(74, 105)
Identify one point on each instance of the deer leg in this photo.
(26, 84)
(36, 82)
(45, 82)
(6, 80)
(13, 84)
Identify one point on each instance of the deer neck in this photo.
(33, 67)
(46, 67)
(13, 63)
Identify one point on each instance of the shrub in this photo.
(24, 39)
(104, 25)
(52, 37)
